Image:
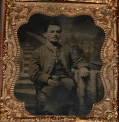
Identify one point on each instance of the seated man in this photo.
(50, 70)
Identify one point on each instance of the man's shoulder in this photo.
(65, 47)
(40, 48)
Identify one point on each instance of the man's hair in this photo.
(51, 23)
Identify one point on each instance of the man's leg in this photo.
(40, 101)
(50, 93)
(60, 95)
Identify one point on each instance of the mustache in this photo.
(55, 37)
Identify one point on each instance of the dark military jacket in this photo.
(43, 59)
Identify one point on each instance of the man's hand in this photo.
(53, 82)
(83, 72)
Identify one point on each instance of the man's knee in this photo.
(67, 83)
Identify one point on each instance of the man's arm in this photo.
(35, 73)
(80, 64)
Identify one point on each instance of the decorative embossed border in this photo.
(104, 15)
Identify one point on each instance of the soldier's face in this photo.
(53, 33)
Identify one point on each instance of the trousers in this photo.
(51, 99)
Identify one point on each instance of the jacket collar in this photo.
(51, 47)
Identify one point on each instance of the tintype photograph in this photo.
(60, 65)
